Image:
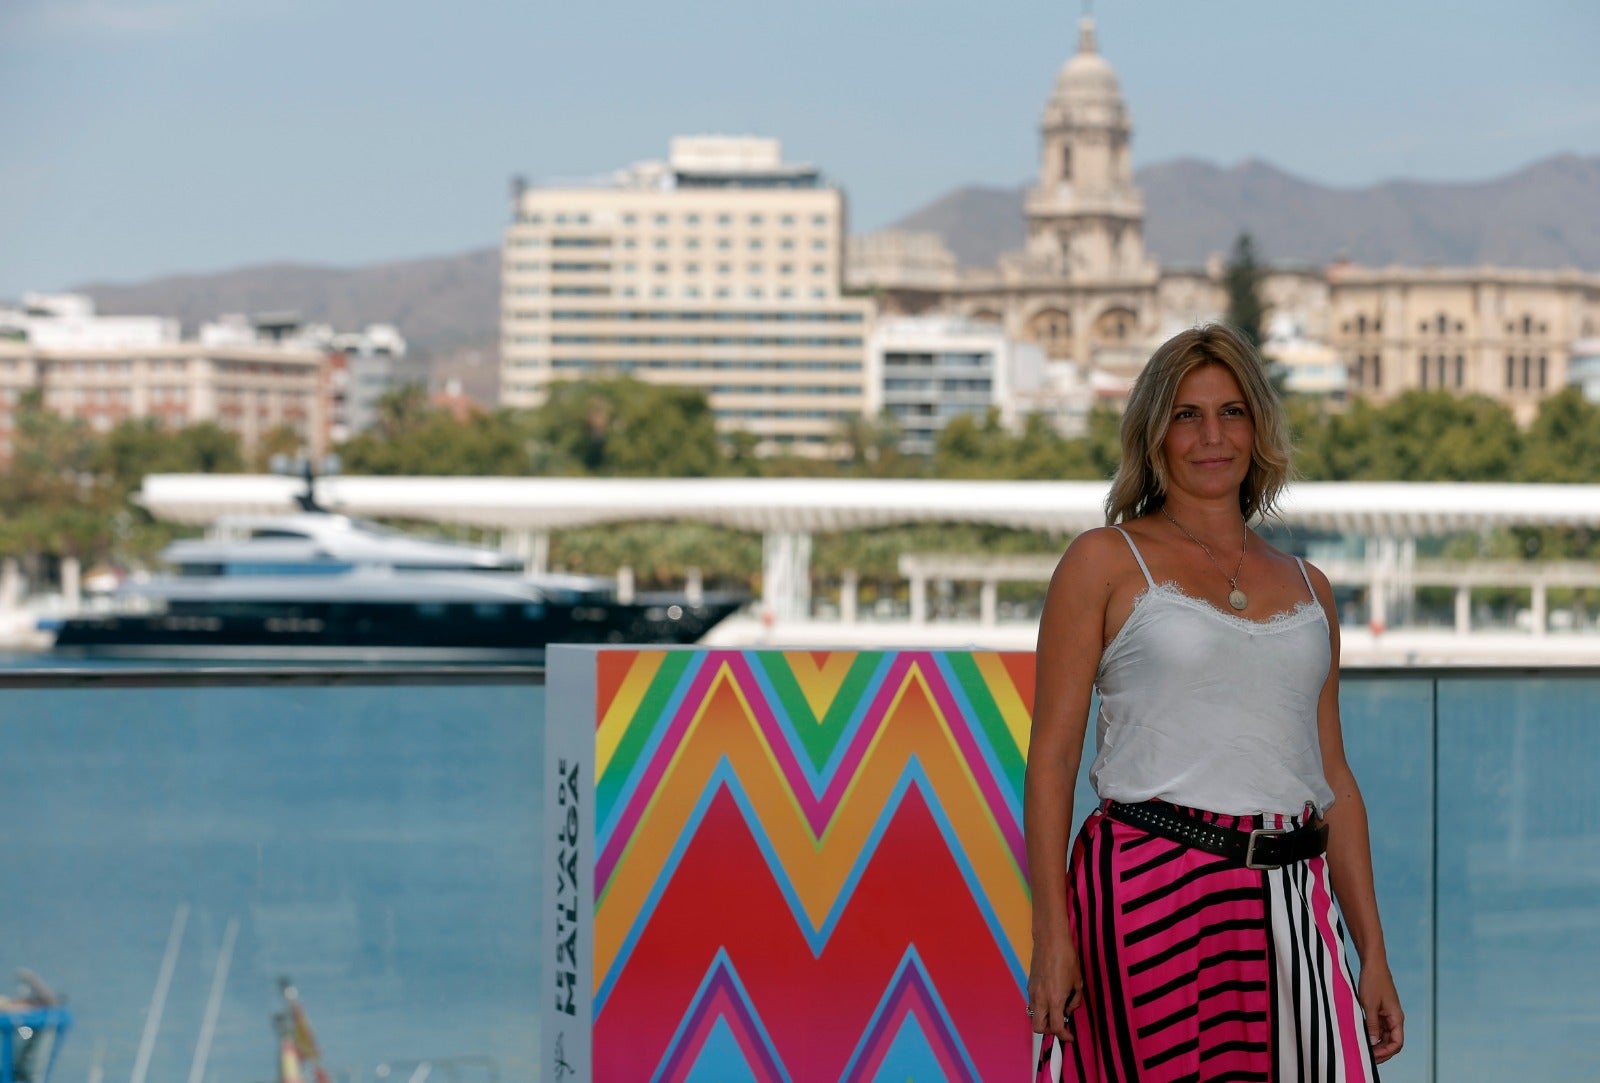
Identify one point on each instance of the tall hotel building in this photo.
(719, 269)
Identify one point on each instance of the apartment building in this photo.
(718, 269)
(248, 377)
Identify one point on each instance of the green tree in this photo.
(52, 503)
(1423, 436)
(1563, 443)
(1241, 277)
(630, 428)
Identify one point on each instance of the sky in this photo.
(141, 138)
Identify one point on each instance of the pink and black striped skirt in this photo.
(1196, 968)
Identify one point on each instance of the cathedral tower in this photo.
(1085, 218)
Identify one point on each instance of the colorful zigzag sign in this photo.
(786, 865)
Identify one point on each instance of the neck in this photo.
(1219, 519)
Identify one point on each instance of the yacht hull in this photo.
(431, 632)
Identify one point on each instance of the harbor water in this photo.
(377, 836)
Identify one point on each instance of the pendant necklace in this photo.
(1236, 597)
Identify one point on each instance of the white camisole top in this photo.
(1211, 710)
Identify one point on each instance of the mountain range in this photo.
(1544, 215)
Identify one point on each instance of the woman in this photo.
(1193, 935)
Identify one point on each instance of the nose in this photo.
(1211, 429)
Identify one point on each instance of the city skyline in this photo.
(151, 138)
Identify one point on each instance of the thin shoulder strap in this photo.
(1138, 556)
(1307, 577)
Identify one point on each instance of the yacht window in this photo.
(279, 532)
(431, 610)
(488, 610)
(533, 611)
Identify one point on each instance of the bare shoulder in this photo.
(1319, 584)
(1093, 556)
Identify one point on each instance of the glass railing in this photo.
(177, 844)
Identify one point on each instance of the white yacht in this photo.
(319, 586)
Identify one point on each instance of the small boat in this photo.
(32, 1027)
(317, 586)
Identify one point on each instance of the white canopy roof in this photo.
(823, 505)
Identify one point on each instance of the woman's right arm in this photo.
(1071, 635)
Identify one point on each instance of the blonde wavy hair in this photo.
(1140, 485)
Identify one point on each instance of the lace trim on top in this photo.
(1304, 612)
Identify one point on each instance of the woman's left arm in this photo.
(1350, 859)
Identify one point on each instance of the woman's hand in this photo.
(1055, 986)
(1385, 1021)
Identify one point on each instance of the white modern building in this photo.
(718, 269)
(924, 371)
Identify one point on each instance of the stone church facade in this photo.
(1087, 293)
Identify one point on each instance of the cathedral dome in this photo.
(1086, 79)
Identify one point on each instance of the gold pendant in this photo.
(1237, 599)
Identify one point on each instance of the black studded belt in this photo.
(1263, 848)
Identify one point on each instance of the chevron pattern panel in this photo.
(800, 865)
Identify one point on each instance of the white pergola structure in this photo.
(788, 511)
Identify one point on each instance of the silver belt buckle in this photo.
(1250, 850)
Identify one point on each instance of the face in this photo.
(1210, 435)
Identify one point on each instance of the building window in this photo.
(1422, 370)
(691, 219)
(755, 244)
(1461, 371)
(1377, 370)
(756, 220)
(1527, 372)
(1358, 374)
(1511, 372)
(1544, 371)
(1439, 363)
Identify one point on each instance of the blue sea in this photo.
(377, 844)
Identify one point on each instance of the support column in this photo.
(10, 584)
(71, 583)
(1541, 607)
(625, 584)
(1382, 558)
(786, 575)
(849, 587)
(532, 547)
(989, 603)
(919, 599)
(1463, 609)
(694, 587)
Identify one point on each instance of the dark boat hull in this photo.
(386, 631)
